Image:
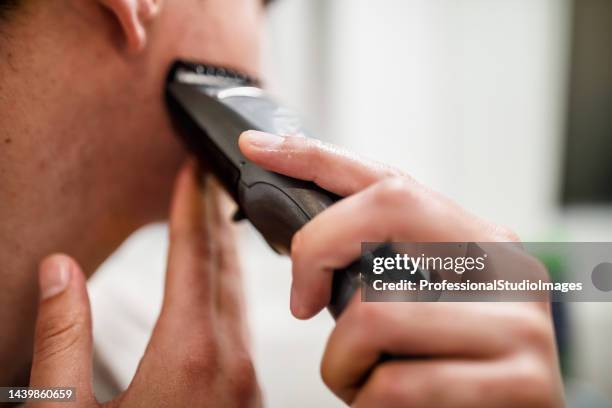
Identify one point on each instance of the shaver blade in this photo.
(211, 75)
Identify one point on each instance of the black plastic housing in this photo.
(210, 107)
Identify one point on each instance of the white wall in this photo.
(466, 95)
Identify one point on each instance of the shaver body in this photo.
(210, 109)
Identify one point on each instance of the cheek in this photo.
(221, 32)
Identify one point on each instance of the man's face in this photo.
(88, 113)
(218, 32)
(141, 140)
(133, 186)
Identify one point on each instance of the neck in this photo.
(76, 159)
(52, 115)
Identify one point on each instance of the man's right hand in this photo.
(457, 354)
(198, 354)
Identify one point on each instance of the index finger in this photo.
(330, 167)
(189, 286)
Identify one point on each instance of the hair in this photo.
(6, 6)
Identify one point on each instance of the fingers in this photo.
(396, 209)
(433, 331)
(190, 278)
(203, 272)
(229, 285)
(184, 340)
(330, 167)
(198, 350)
(63, 339)
(422, 384)
(386, 206)
(459, 383)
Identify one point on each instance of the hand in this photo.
(198, 354)
(461, 354)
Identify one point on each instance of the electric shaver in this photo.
(210, 107)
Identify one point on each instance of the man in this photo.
(88, 156)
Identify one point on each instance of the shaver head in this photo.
(206, 126)
(209, 75)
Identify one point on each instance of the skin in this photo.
(87, 153)
(198, 354)
(462, 354)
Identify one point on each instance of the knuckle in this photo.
(532, 385)
(393, 191)
(313, 148)
(296, 245)
(351, 333)
(365, 313)
(533, 329)
(194, 237)
(199, 360)
(385, 388)
(57, 334)
(202, 247)
(305, 149)
(351, 336)
(327, 370)
(360, 317)
(244, 378)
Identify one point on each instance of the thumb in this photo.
(63, 339)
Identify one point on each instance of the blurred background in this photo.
(503, 105)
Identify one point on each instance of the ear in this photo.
(133, 16)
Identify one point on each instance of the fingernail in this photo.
(263, 140)
(54, 276)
